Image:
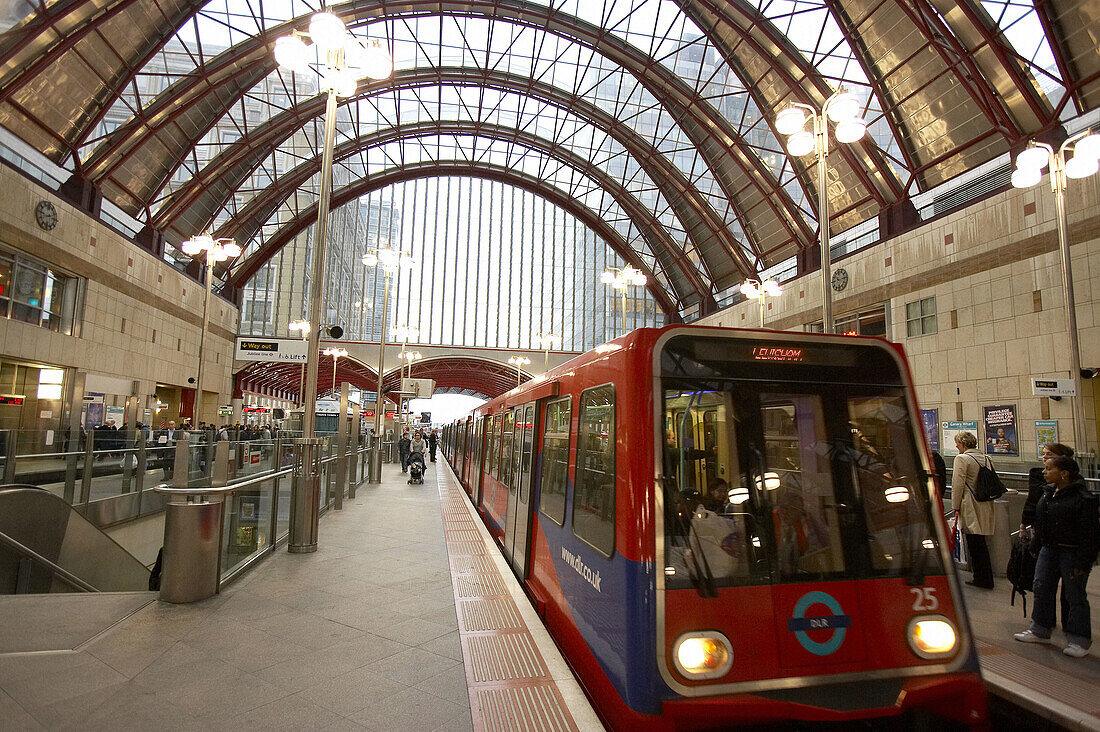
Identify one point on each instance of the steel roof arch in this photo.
(182, 114)
(193, 206)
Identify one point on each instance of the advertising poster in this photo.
(1000, 430)
(118, 414)
(930, 418)
(93, 417)
(950, 429)
(1046, 433)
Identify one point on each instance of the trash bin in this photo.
(192, 551)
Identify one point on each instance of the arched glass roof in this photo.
(652, 116)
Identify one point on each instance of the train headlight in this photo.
(932, 636)
(702, 654)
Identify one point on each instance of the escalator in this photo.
(46, 546)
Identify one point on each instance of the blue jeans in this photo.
(1054, 564)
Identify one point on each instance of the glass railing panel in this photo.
(282, 505)
(247, 525)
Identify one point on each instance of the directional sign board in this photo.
(271, 349)
(1053, 387)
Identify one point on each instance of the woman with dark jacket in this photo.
(1066, 538)
(1037, 485)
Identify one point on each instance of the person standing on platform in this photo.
(1037, 485)
(403, 450)
(975, 517)
(433, 443)
(1066, 538)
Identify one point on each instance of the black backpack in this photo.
(988, 486)
(1021, 571)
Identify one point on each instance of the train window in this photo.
(526, 450)
(508, 440)
(494, 445)
(816, 452)
(555, 459)
(594, 494)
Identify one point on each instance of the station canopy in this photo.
(650, 121)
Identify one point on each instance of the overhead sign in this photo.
(272, 349)
(12, 399)
(1053, 387)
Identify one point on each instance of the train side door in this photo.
(513, 472)
(519, 526)
(479, 457)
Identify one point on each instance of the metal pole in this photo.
(821, 135)
(761, 305)
(317, 283)
(302, 384)
(381, 361)
(202, 336)
(1058, 183)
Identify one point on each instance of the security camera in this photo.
(1089, 373)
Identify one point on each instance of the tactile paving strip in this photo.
(536, 705)
(509, 684)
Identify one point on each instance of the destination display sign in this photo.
(291, 350)
(1053, 387)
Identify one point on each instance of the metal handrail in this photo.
(230, 487)
(60, 572)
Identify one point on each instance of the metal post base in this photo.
(192, 551)
(374, 465)
(305, 494)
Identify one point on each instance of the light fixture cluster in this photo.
(404, 333)
(519, 361)
(755, 290)
(339, 57)
(389, 259)
(842, 108)
(547, 340)
(299, 326)
(620, 279)
(1037, 156)
(218, 250)
(335, 352)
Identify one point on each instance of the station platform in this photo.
(406, 618)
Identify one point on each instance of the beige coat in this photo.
(975, 517)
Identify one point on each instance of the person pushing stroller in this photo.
(416, 458)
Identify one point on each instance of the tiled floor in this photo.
(360, 635)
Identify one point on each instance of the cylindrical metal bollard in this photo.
(1000, 544)
(192, 551)
(374, 464)
(304, 496)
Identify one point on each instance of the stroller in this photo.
(416, 468)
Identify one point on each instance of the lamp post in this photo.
(302, 327)
(757, 290)
(620, 279)
(409, 356)
(547, 341)
(843, 109)
(519, 362)
(1085, 146)
(402, 333)
(335, 353)
(341, 60)
(217, 250)
(390, 261)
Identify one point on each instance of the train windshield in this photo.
(789, 465)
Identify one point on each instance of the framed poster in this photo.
(1046, 433)
(930, 419)
(950, 429)
(1000, 430)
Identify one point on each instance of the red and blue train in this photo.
(727, 527)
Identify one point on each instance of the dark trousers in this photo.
(978, 549)
(404, 461)
(432, 451)
(1057, 564)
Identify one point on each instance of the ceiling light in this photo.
(1034, 157)
(843, 107)
(850, 130)
(790, 120)
(1026, 177)
(800, 143)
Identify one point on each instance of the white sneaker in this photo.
(1028, 637)
(1075, 651)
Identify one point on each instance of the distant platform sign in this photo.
(1053, 387)
(272, 349)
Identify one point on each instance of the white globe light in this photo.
(640, 279)
(346, 83)
(1087, 147)
(191, 247)
(327, 31)
(376, 61)
(772, 288)
(790, 120)
(850, 130)
(843, 107)
(1034, 157)
(1026, 177)
(800, 143)
(292, 53)
(370, 259)
(607, 277)
(749, 290)
(1080, 166)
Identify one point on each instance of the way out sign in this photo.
(1053, 387)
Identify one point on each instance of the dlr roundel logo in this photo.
(827, 615)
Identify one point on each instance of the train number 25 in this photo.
(924, 598)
